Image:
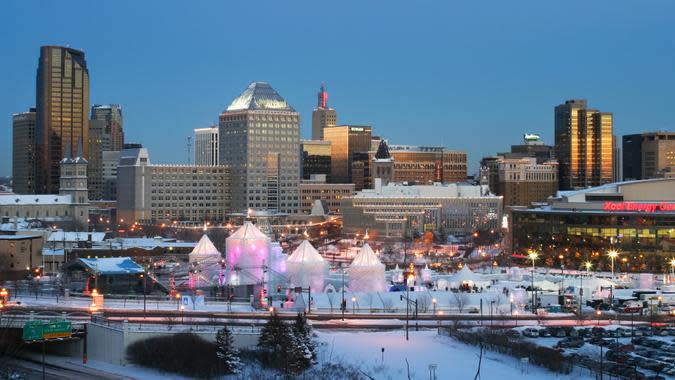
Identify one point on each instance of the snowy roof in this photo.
(366, 257)
(53, 252)
(436, 191)
(39, 199)
(317, 209)
(18, 237)
(145, 243)
(259, 95)
(305, 253)
(76, 236)
(248, 231)
(113, 265)
(205, 247)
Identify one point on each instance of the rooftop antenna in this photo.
(189, 150)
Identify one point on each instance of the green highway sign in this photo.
(39, 330)
(32, 330)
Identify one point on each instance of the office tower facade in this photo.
(426, 164)
(330, 194)
(322, 117)
(206, 146)
(113, 133)
(346, 141)
(617, 169)
(316, 158)
(583, 145)
(658, 154)
(523, 181)
(23, 152)
(260, 143)
(147, 192)
(106, 134)
(631, 146)
(62, 113)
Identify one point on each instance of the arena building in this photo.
(635, 218)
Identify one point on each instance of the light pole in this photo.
(353, 304)
(613, 253)
(433, 301)
(533, 255)
(343, 305)
(598, 313)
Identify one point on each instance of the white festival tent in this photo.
(205, 260)
(306, 267)
(247, 252)
(366, 272)
(466, 276)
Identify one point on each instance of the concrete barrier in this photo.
(108, 343)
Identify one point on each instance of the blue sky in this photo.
(472, 75)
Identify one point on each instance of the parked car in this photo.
(622, 332)
(556, 332)
(544, 333)
(531, 332)
(571, 342)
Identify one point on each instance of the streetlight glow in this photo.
(613, 253)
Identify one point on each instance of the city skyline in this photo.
(447, 96)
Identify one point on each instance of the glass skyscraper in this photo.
(583, 145)
(260, 142)
(62, 111)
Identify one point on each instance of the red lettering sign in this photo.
(637, 206)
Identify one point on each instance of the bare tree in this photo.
(423, 303)
(460, 300)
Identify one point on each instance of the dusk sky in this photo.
(471, 75)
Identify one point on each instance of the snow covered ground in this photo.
(454, 360)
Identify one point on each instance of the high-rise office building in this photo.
(206, 146)
(632, 156)
(583, 145)
(322, 116)
(658, 154)
(113, 131)
(426, 164)
(23, 152)
(346, 141)
(62, 111)
(649, 155)
(260, 142)
(316, 158)
(106, 134)
(532, 146)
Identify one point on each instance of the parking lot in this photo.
(642, 352)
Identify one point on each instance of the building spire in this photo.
(322, 97)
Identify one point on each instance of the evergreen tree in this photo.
(304, 333)
(283, 347)
(227, 354)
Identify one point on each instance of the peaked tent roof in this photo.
(366, 258)
(205, 247)
(259, 95)
(466, 274)
(248, 231)
(305, 253)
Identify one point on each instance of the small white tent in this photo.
(205, 260)
(306, 267)
(366, 272)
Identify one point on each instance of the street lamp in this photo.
(434, 301)
(516, 314)
(353, 303)
(598, 313)
(612, 253)
(533, 255)
(588, 266)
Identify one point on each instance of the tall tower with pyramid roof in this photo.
(259, 137)
(73, 182)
